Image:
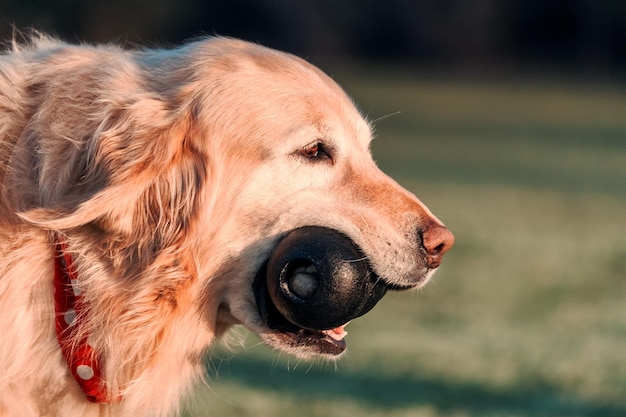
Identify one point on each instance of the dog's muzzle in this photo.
(316, 279)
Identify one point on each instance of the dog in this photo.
(152, 199)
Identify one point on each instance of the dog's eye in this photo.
(315, 150)
(311, 151)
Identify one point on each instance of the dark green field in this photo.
(527, 315)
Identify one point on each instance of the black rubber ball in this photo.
(318, 279)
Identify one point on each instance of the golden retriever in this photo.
(152, 199)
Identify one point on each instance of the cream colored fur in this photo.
(172, 173)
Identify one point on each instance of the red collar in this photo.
(85, 364)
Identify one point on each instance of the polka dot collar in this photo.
(84, 363)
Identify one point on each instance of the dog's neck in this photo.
(70, 314)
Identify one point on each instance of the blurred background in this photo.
(508, 119)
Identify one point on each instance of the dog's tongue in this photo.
(338, 333)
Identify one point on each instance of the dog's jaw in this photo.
(301, 343)
(284, 336)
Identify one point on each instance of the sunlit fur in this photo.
(171, 174)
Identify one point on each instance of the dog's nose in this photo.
(437, 240)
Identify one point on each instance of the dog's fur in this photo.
(172, 174)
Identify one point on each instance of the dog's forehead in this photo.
(274, 93)
(313, 100)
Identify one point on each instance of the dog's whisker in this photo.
(387, 116)
(364, 258)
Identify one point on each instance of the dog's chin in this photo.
(302, 343)
(286, 337)
(307, 344)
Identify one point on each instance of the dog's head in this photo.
(316, 232)
(256, 168)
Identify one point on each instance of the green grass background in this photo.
(527, 315)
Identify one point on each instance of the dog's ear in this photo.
(137, 168)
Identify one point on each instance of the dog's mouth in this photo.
(314, 283)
